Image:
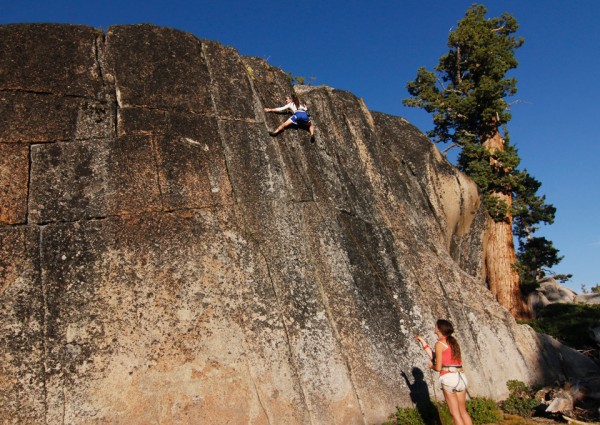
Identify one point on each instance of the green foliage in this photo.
(494, 172)
(478, 163)
(297, 79)
(526, 286)
(596, 289)
(562, 278)
(569, 323)
(529, 208)
(444, 414)
(533, 323)
(466, 94)
(482, 411)
(520, 401)
(406, 416)
(535, 255)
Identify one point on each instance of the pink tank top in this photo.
(447, 359)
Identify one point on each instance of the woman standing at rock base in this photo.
(447, 360)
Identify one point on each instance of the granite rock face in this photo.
(164, 260)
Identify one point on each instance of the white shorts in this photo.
(453, 382)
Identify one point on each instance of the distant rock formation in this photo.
(551, 292)
(592, 298)
(163, 260)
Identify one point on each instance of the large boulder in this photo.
(593, 298)
(549, 292)
(163, 260)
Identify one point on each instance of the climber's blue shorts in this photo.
(300, 118)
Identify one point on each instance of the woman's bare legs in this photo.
(462, 407)
(457, 404)
(311, 129)
(279, 129)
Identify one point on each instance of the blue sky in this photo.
(373, 48)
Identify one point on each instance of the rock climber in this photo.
(300, 116)
(447, 360)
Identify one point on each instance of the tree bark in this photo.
(499, 255)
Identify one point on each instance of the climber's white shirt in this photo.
(292, 107)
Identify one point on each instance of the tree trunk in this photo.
(499, 255)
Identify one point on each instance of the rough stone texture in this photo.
(157, 68)
(14, 175)
(164, 260)
(22, 375)
(51, 58)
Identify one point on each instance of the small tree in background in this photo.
(466, 94)
(534, 257)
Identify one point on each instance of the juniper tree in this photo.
(466, 93)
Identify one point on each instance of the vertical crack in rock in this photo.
(44, 314)
(376, 273)
(107, 80)
(98, 42)
(234, 189)
(383, 282)
(445, 296)
(279, 307)
(287, 335)
(258, 106)
(157, 169)
(330, 319)
(425, 194)
(28, 191)
(64, 405)
(260, 112)
(258, 394)
(284, 175)
(300, 173)
(336, 333)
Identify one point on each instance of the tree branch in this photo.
(453, 145)
(459, 77)
(440, 83)
(517, 101)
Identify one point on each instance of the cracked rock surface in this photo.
(164, 260)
